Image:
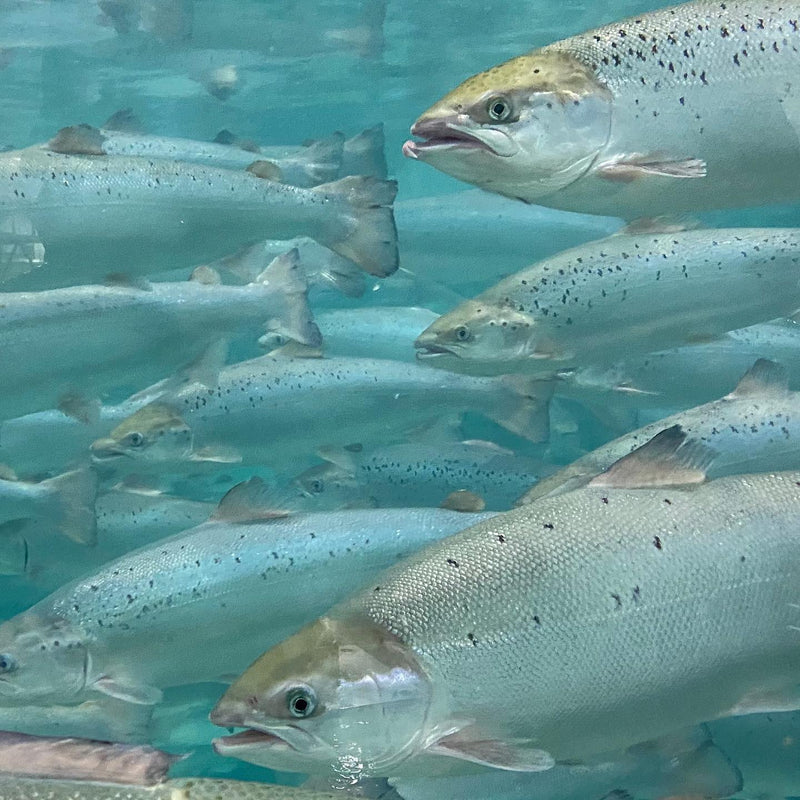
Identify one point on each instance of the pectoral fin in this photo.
(128, 692)
(469, 744)
(627, 168)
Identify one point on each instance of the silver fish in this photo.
(755, 428)
(190, 213)
(619, 297)
(634, 118)
(570, 628)
(309, 167)
(423, 474)
(100, 338)
(363, 400)
(85, 641)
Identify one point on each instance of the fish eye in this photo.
(301, 701)
(7, 663)
(135, 439)
(462, 333)
(317, 486)
(498, 108)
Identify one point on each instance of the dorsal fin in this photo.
(343, 457)
(668, 459)
(763, 376)
(267, 170)
(124, 121)
(249, 501)
(225, 137)
(79, 407)
(82, 139)
(124, 281)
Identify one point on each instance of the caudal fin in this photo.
(526, 412)
(73, 496)
(295, 321)
(318, 162)
(365, 154)
(371, 236)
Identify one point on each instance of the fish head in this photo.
(489, 334)
(327, 486)
(153, 433)
(342, 695)
(525, 128)
(42, 660)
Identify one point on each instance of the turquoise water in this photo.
(279, 74)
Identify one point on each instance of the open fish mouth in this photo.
(247, 739)
(433, 351)
(438, 134)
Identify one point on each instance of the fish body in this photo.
(386, 332)
(401, 474)
(86, 640)
(99, 338)
(755, 428)
(305, 167)
(620, 297)
(634, 118)
(177, 789)
(695, 373)
(609, 616)
(281, 398)
(167, 214)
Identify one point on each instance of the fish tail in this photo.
(74, 495)
(295, 322)
(321, 159)
(371, 236)
(365, 154)
(527, 411)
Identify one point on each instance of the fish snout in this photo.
(106, 448)
(229, 714)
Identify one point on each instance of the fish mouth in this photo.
(441, 134)
(247, 739)
(105, 450)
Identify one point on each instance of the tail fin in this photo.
(74, 494)
(371, 240)
(364, 154)
(527, 413)
(319, 161)
(296, 321)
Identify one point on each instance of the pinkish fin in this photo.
(128, 692)
(668, 459)
(78, 407)
(624, 169)
(249, 501)
(81, 139)
(468, 744)
(763, 377)
(206, 275)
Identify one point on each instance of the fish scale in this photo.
(545, 604)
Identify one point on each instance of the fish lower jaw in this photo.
(434, 351)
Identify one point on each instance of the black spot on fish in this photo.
(471, 637)
(617, 600)
(657, 542)
(549, 526)
(502, 539)
(452, 562)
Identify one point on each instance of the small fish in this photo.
(634, 118)
(25, 756)
(100, 338)
(755, 428)
(297, 403)
(562, 630)
(177, 789)
(620, 297)
(85, 641)
(307, 167)
(191, 213)
(424, 474)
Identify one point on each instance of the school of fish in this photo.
(317, 483)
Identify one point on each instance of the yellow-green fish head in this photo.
(525, 128)
(340, 695)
